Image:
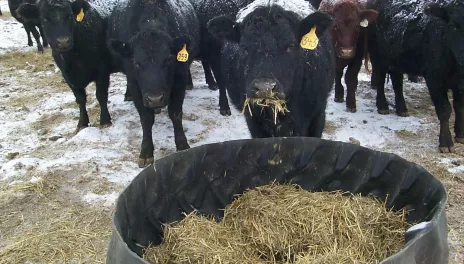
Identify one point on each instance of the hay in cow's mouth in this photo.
(277, 105)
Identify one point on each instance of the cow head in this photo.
(58, 18)
(269, 40)
(348, 20)
(453, 15)
(151, 58)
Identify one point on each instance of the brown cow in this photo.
(349, 40)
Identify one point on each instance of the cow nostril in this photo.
(63, 40)
(265, 87)
(155, 101)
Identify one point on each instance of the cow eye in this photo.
(45, 19)
(290, 47)
(169, 60)
(136, 65)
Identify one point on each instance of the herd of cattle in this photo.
(293, 51)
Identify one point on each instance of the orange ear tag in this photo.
(183, 55)
(80, 16)
(310, 40)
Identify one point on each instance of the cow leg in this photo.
(44, 40)
(224, 107)
(190, 81)
(397, 82)
(147, 119)
(212, 85)
(28, 33)
(317, 126)
(378, 81)
(102, 83)
(458, 104)
(443, 109)
(339, 90)
(81, 100)
(351, 80)
(127, 95)
(36, 35)
(175, 109)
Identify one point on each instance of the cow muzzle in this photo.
(346, 53)
(64, 43)
(267, 89)
(155, 101)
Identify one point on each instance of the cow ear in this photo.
(120, 47)
(437, 10)
(224, 28)
(80, 7)
(321, 20)
(369, 15)
(28, 11)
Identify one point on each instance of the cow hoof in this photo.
(145, 162)
(128, 99)
(79, 128)
(403, 114)
(460, 140)
(41, 50)
(30, 44)
(213, 87)
(183, 146)
(351, 110)
(225, 112)
(447, 149)
(339, 100)
(383, 111)
(189, 87)
(106, 125)
(157, 111)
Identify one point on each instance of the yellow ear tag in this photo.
(183, 55)
(80, 16)
(310, 40)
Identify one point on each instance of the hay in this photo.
(76, 237)
(278, 106)
(285, 224)
(197, 239)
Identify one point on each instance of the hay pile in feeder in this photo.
(278, 106)
(285, 224)
(197, 239)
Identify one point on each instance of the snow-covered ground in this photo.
(37, 138)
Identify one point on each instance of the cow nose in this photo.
(347, 52)
(63, 42)
(155, 101)
(264, 88)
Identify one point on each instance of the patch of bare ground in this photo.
(45, 222)
(6, 16)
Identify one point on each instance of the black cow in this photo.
(147, 38)
(210, 47)
(76, 31)
(263, 59)
(425, 39)
(30, 23)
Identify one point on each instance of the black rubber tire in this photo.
(207, 178)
